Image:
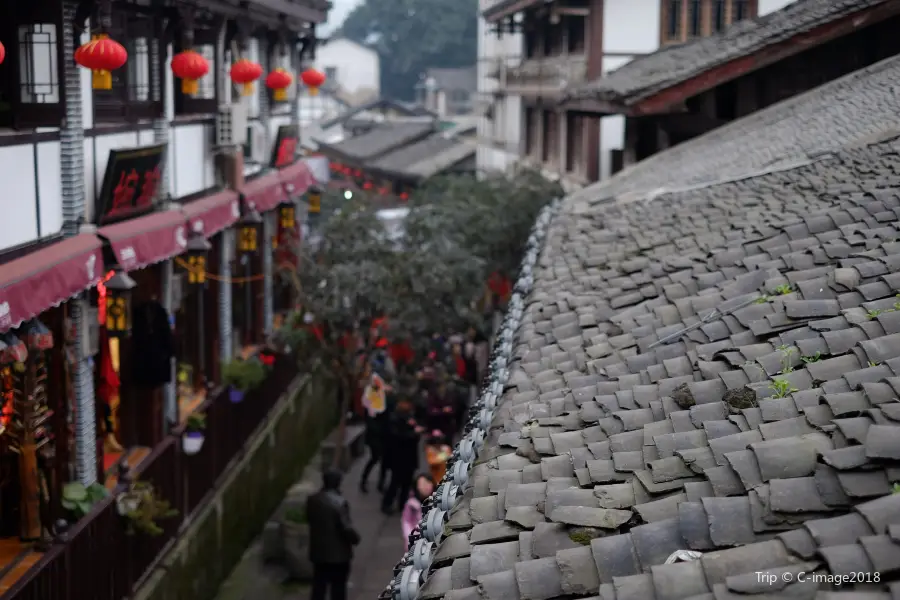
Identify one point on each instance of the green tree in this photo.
(411, 36)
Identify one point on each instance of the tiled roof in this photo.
(850, 110)
(426, 157)
(382, 138)
(705, 380)
(643, 415)
(660, 70)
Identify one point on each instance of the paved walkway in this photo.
(380, 549)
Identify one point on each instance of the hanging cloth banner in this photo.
(374, 396)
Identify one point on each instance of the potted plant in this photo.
(241, 376)
(143, 508)
(193, 436)
(79, 499)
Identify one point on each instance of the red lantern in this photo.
(189, 66)
(313, 80)
(367, 185)
(357, 173)
(279, 81)
(404, 196)
(383, 191)
(2, 53)
(244, 72)
(102, 56)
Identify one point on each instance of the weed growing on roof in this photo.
(896, 488)
(764, 298)
(874, 363)
(787, 364)
(897, 304)
(873, 313)
(811, 359)
(783, 289)
(781, 388)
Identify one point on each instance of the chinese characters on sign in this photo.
(285, 146)
(130, 185)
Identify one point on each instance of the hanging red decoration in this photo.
(334, 166)
(244, 72)
(357, 173)
(367, 185)
(404, 196)
(190, 67)
(384, 191)
(313, 80)
(279, 81)
(2, 53)
(102, 56)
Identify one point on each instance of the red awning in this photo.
(144, 241)
(47, 277)
(297, 178)
(211, 214)
(266, 192)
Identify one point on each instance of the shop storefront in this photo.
(198, 321)
(39, 335)
(136, 343)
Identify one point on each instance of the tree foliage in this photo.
(411, 36)
(459, 230)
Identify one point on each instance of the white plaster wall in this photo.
(630, 26)
(17, 170)
(357, 68)
(767, 6)
(612, 129)
(49, 190)
(505, 128)
(191, 164)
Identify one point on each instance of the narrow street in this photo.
(375, 557)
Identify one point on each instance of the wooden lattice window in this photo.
(205, 101)
(31, 94)
(136, 92)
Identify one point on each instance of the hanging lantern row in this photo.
(102, 56)
(279, 81)
(190, 66)
(2, 53)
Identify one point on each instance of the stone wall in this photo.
(217, 536)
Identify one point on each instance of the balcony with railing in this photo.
(97, 558)
(542, 77)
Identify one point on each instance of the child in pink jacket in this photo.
(412, 510)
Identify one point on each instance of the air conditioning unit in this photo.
(231, 125)
(259, 148)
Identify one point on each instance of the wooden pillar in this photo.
(211, 313)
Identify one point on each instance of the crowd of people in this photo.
(405, 399)
(426, 399)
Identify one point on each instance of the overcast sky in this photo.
(337, 14)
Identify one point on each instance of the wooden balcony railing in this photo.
(96, 558)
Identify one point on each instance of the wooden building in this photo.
(691, 88)
(123, 279)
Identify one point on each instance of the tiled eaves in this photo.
(669, 66)
(833, 116)
(610, 451)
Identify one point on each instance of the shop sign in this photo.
(285, 146)
(131, 184)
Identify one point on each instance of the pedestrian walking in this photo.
(332, 538)
(412, 510)
(403, 452)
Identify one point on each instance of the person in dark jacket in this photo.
(403, 450)
(152, 345)
(376, 439)
(331, 538)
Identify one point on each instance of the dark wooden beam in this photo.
(292, 10)
(660, 101)
(296, 20)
